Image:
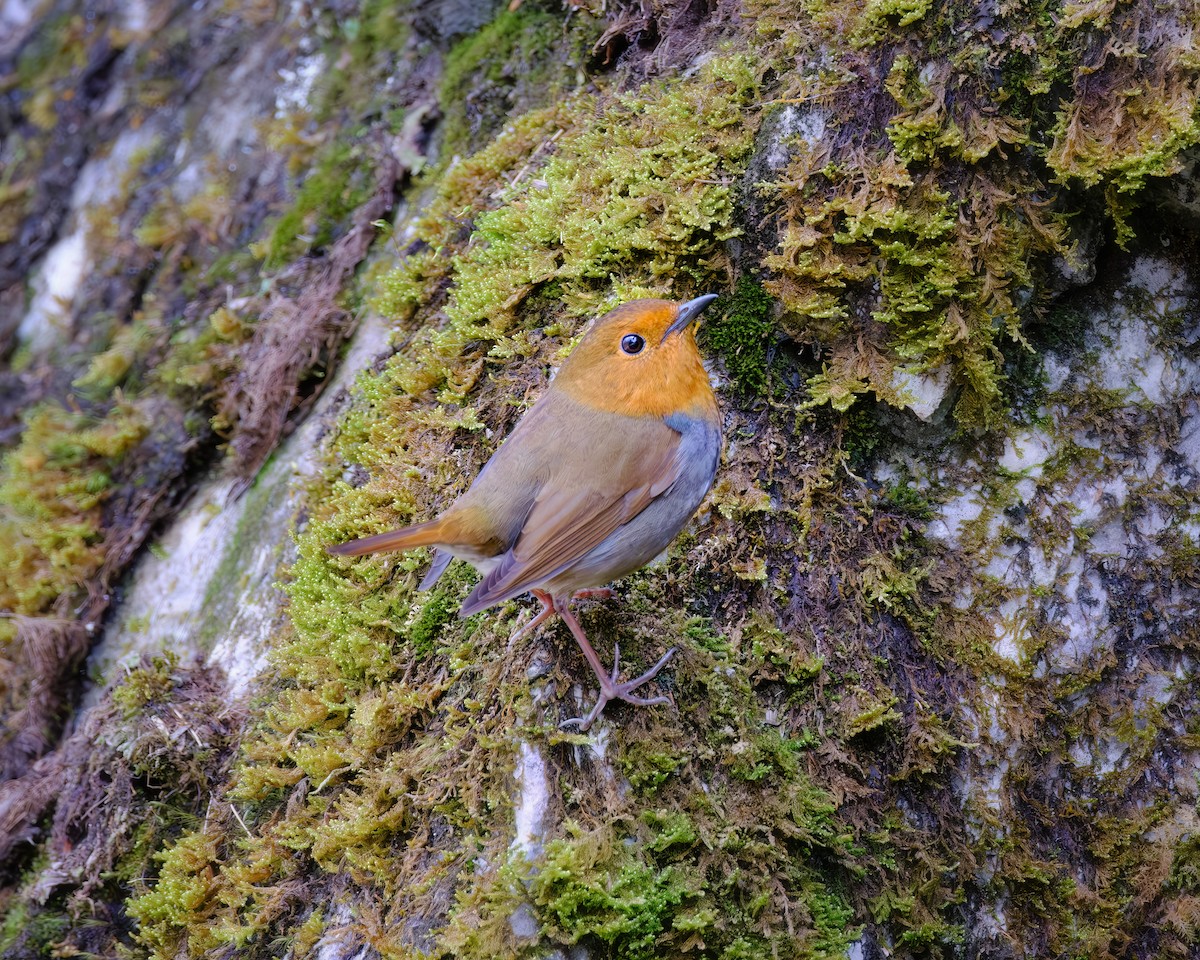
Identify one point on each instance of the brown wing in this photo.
(584, 502)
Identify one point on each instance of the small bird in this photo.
(594, 481)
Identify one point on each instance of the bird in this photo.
(595, 481)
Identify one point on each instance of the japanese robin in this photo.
(594, 482)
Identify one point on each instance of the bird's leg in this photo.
(547, 611)
(594, 593)
(545, 614)
(610, 689)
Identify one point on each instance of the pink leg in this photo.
(610, 689)
(596, 593)
(544, 614)
(547, 611)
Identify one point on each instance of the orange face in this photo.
(640, 360)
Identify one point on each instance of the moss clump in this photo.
(52, 486)
(198, 360)
(522, 60)
(15, 200)
(628, 906)
(741, 335)
(463, 192)
(366, 46)
(136, 773)
(182, 896)
(30, 932)
(336, 185)
(681, 879)
(113, 366)
(145, 685)
(862, 435)
(1137, 120)
(1185, 865)
(885, 18)
(439, 610)
(922, 249)
(633, 202)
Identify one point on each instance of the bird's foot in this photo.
(610, 689)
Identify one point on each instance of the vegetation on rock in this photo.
(880, 740)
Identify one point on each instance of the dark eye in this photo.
(632, 343)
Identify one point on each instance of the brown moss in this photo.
(297, 335)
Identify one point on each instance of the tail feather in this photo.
(406, 538)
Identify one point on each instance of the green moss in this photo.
(181, 896)
(522, 60)
(647, 765)
(918, 134)
(440, 610)
(862, 435)
(907, 499)
(1185, 865)
(1141, 132)
(872, 714)
(671, 829)
(880, 18)
(892, 580)
(366, 44)
(33, 932)
(741, 335)
(15, 197)
(16, 918)
(930, 938)
(145, 685)
(56, 53)
(336, 185)
(52, 486)
(111, 367)
(942, 230)
(197, 360)
(628, 906)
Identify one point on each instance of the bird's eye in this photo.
(632, 343)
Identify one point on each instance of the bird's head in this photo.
(641, 359)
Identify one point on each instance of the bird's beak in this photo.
(688, 312)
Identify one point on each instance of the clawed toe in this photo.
(640, 701)
(585, 722)
(624, 691)
(610, 689)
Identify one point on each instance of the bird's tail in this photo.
(426, 534)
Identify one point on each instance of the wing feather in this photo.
(569, 520)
